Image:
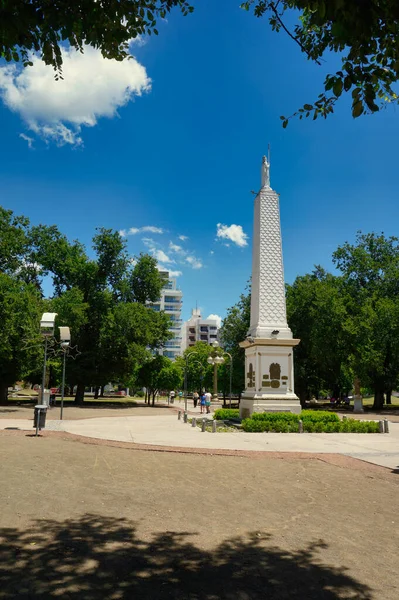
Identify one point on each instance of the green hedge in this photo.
(222, 414)
(311, 416)
(309, 426)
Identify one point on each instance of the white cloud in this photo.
(216, 318)
(146, 228)
(152, 229)
(161, 267)
(161, 256)
(211, 252)
(92, 87)
(183, 238)
(194, 262)
(27, 139)
(181, 256)
(234, 233)
(175, 248)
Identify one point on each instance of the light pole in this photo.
(185, 377)
(215, 359)
(65, 338)
(47, 323)
(231, 373)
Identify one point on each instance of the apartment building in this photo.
(198, 329)
(171, 302)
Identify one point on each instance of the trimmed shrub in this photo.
(222, 414)
(276, 425)
(277, 416)
(317, 416)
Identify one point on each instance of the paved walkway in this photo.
(167, 430)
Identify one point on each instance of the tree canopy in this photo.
(348, 323)
(43, 26)
(363, 33)
(20, 312)
(103, 299)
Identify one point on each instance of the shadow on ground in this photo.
(99, 557)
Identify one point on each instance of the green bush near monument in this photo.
(313, 422)
(222, 414)
(319, 422)
(320, 416)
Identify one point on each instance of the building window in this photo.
(204, 338)
(203, 328)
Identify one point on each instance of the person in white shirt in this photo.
(208, 398)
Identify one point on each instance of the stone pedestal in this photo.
(269, 361)
(358, 404)
(269, 370)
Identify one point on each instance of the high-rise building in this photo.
(197, 329)
(171, 302)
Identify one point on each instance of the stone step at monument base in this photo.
(259, 403)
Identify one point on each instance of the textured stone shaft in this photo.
(268, 311)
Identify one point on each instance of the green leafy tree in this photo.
(199, 372)
(233, 331)
(159, 373)
(20, 347)
(104, 299)
(316, 313)
(42, 26)
(370, 274)
(363, 33)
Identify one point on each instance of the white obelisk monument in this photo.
(269, 359)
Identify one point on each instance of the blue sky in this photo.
(185, 154)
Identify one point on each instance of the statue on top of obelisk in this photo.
(265, 172)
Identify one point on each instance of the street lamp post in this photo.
(231, 374)
(47, 324)
(65, 338)
(215, 359)
(190, 354)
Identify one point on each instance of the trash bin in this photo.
(40, 409)
(45, 398)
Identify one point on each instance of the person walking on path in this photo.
(202, 403)
(208, 398)
(195, 399)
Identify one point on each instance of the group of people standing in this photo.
(204, 400)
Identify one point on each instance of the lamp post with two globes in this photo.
(215, 359)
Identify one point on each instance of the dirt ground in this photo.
(87, 521)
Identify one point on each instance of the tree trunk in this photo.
(96, 390)
(153, 397)
(389, 396)
(80, 393)
(378, 399)
(3, 393)
(302, 399)
(102, 391)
